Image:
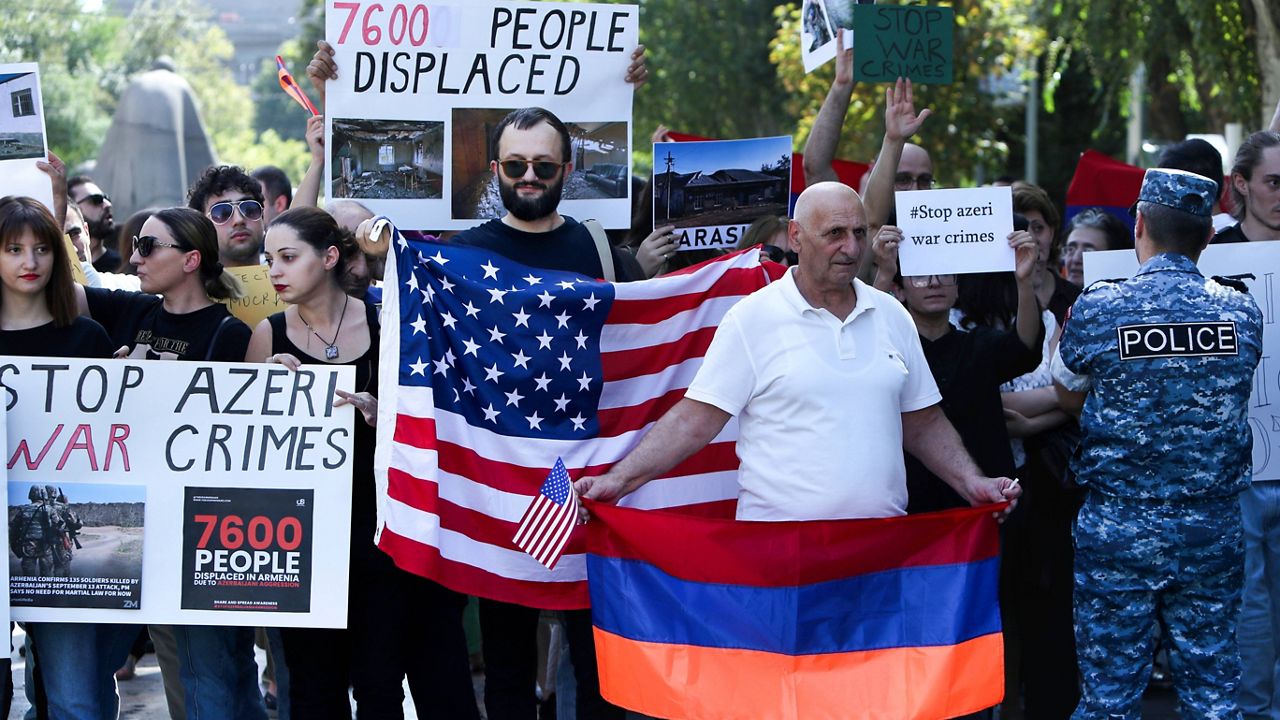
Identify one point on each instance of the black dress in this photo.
(398, 624)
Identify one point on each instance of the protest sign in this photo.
(260, 299)
(22, 134)
(420, 89)
(713, 190)
(955, 231)
(1258, 266)
(893, 41)
(184, 493)
(817, 38)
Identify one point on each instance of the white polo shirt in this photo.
(819, 402)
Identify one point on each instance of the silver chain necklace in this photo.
(330, 348)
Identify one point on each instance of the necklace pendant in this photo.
(331, 352)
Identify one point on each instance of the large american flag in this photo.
(496, 369)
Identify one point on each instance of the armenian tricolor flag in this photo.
(708, 618)
(291, 88)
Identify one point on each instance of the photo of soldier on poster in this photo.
(76, 545)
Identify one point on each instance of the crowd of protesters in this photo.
(987, 340)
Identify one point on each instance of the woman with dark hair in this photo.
(1044, 222)
(124, 240)
(398, 624)
(1093, 229)
(177, 317)
(76, 661)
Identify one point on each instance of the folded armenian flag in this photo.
(707, 618)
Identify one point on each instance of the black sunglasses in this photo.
(221, 212)
(147, 244)
(94, 199)
(542, 169)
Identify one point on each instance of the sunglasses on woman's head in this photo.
(147, 244)
(542, 169)
(221, 212)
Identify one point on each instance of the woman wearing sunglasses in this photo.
(177, 317)
(398, 624)
(38, 318)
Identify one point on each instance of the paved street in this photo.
(142, 698)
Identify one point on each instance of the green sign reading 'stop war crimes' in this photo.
(893, 41)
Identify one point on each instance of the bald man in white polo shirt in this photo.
(829, 383)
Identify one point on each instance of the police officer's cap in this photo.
(1178, 189)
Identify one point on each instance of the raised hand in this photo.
(900, 118)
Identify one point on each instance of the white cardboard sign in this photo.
(421, 87)
(955, 231)
(203, 493)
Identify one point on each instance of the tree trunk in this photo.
(1267, 26)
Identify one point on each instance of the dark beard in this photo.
(102, 230)
(530, 209)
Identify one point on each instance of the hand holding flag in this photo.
(547, 524)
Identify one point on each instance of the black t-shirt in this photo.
(140, 321)
(569, 247)
(83, 338)
(1232, 234)
(109, 261)
(969, 368)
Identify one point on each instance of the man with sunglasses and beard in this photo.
(233, 200)
(95, 206)
(532, 156)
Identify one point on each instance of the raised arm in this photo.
(824, 136)
(901, 121)
(685, 429)
(308, 193)
(1028, 322)
(1275, 119)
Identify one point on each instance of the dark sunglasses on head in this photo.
(221, 212)
(94, 199)
(147, 244)
(542, 169)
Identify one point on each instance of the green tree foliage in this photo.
(87, 58)
(275, 110)
(969, 133)
(1200, 56)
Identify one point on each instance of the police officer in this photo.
(1162, 365)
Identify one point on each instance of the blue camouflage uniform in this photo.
(1167, 359)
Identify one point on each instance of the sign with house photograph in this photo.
(712, 190)
(410, 119)
(22, 134)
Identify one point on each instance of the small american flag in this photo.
(548, 523)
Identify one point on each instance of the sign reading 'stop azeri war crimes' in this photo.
(421, 88)
(177, 493)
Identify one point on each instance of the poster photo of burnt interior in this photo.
(387, 159)
(598, 151)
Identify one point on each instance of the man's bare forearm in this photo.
(824, 137)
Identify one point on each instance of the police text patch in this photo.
(1194, 339)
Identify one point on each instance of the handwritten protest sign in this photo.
(200, 489)
(1262, 261)
(955, 231)
(260, 299)
(22, 134)
(712, 190)
(420, 90)
(892, 41)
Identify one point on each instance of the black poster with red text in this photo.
(247, 549)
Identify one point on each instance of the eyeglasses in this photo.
(907, 181)
(147, 244)
(94, 199)
(924, 281)
(221, 212)
(542, 169)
